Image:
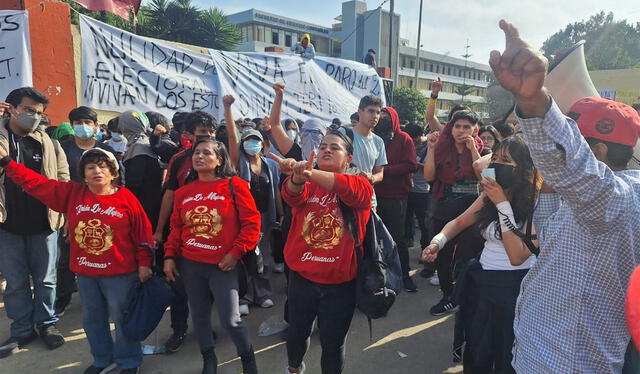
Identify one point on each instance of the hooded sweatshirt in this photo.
(401, 162)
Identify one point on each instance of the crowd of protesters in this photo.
(531, 236)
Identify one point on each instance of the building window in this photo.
(431, 68)
(275, 37)
(287, 39)
(448, 71)
(260, 33)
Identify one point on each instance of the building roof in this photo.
(442, 58)
(255, 15)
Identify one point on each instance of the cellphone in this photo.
(489, 173)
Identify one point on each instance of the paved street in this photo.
(409, 340)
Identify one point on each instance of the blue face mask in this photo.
(99, 136)
(84, 131)
(252, 146)
(116, 136)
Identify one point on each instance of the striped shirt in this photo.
(570, 312)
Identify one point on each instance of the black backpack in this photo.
(379, 277)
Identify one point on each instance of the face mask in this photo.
(84, 131)
(252, 147)
(116, 136)
(310, 141)
(41, 127)
(99, 136)
(28, 122)
(504, 175)
(384, 125)
(292, 134)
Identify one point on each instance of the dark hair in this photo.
(414, 130)
(198, 118)
(355, 117)
(112, 125)
(504, 128)
(348, 144)
(618, 155)
(83, 112)
(371, 50)
(156, 118)
(15, 97)
(490, 129)
(369, 100)
(289, 121)
(522, 194)
(465, 114)
(225, 169)
(457, 108)
(178, 120)
(336, 121)
(98, 158)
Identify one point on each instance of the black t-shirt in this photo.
(26, 215)
(260, 189)
(144, 179)
(74, 153)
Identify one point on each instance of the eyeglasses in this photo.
(30, 110)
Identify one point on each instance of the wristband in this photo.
(505, 216)
(433, 101)
(296, 184)
(5, 161)
(440, 240)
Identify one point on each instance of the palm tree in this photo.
(217, 32)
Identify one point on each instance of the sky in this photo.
(447, 24)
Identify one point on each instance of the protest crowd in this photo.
(530, 231)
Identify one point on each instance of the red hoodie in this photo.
(206, 223)
(319, 246)
(110, 234)
(401, 162)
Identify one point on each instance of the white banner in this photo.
(123, 71)
(15, 51)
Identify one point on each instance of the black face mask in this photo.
(384, 129)
(204, 137)
(504, 174)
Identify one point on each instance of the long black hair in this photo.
(225, 169)
(522, 194)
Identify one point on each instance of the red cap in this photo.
(606, 120)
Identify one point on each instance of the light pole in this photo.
(418, 47)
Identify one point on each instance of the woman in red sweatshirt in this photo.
(110, 236)
(213, 224)
(320, 250)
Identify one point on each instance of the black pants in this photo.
(180, 304)
(418, 206)
(393, 213)
(333, 305)
(488, 312)
(66, 279)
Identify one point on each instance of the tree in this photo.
(409, 103)
(609, 44)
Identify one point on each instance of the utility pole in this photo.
(418, 47)
(466, 56)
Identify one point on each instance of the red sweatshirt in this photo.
(320, 247)
(401, 163)
(206, 225)
(110, 234)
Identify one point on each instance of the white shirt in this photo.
(494, 255)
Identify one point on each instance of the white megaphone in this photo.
(567, 80)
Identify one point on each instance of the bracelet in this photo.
(440, 240)
(169, 258)
(433, 101)
(296, 184)
(5, 161)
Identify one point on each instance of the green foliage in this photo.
(174, 20)
(464, 90)
(409, 103)
(609, 44)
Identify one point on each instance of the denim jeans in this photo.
(104, 297)
(21, 257)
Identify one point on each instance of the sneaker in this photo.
(427, 273)
(268, 303)
(409, 285)
(443, 307)
(434, 281)
(278, 268)
(301, 369)
(51, 337)
(457, 355)
(175, 341)
(98, 370)
(11, 345)
(244, 309)
(131, 371)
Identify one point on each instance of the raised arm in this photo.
(234, 151)
(434, 124)
(282, 140)
(429, 169)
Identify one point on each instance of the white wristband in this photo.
(505, 216)
(440, 240)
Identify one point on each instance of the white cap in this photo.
(109, 155)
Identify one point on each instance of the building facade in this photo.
(261, 29)
(459, 77)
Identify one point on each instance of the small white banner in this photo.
(15, 51)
